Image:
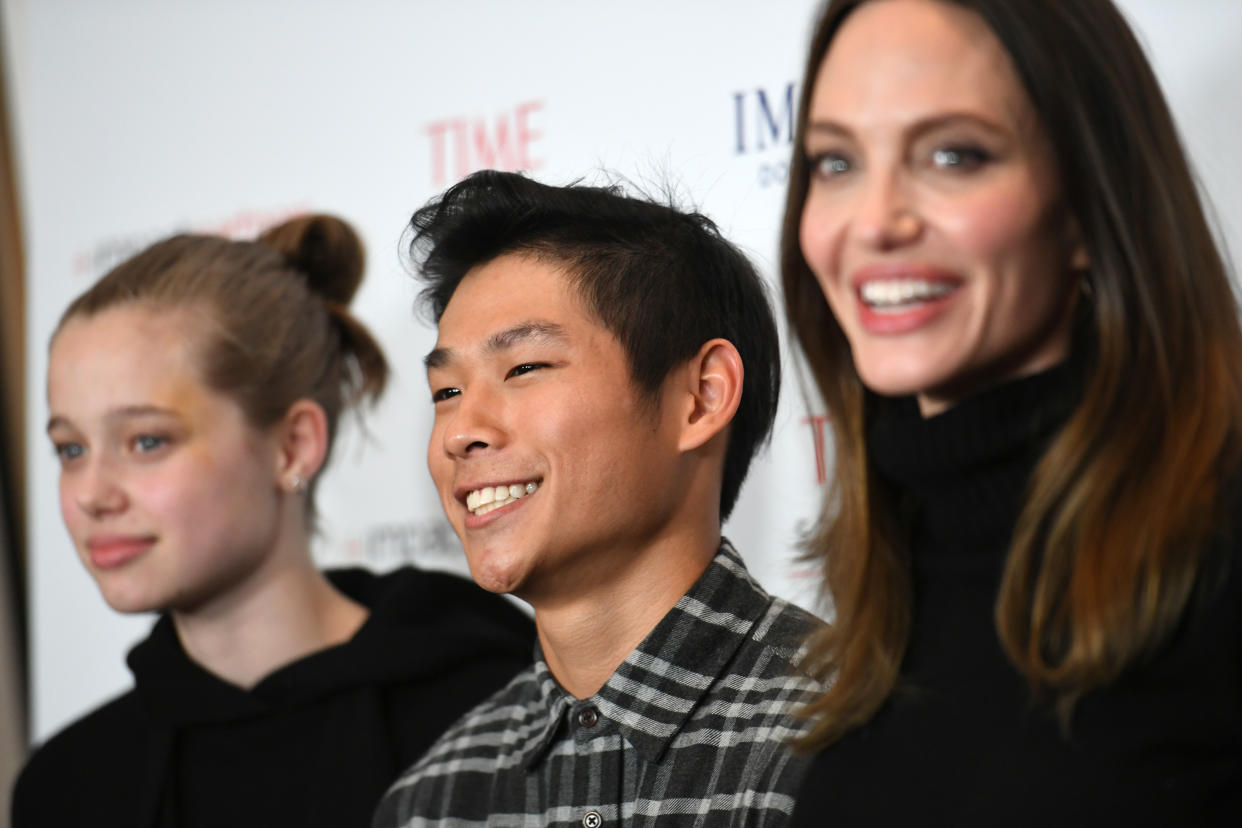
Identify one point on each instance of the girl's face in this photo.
(934, 220)
(171, 498)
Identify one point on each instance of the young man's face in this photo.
(535, 411)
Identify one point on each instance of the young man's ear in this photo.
(302, 445)
(714, 382)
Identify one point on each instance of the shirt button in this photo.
(592, 820)
(587, 717)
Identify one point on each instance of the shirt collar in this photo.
(654, 692)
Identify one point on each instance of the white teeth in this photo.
(902, 292)
(482, 501)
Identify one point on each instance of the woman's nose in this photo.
(887, 216)
(97, 491)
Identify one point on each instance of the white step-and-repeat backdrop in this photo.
(139, 118)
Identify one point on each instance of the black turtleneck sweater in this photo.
(313, 744)
(962, 741)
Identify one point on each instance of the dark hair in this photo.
(1109, 541)
(276, 323)
(662, 281)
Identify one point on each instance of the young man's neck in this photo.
(586, 635)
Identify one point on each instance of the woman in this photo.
(997, 265)
(194, 394)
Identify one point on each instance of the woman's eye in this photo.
(68, 452)
(525, 368)
(146, 443)
(830, 164)
(442, 394)
(960, 158)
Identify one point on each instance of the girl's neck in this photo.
(283, 611)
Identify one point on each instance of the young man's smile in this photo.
(483, 500)
(542, 450)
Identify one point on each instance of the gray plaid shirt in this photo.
(691, 729)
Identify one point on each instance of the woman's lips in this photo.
(112, 551)
(898, 299)
(891, 323)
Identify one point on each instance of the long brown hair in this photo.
(275, 325)
(1109, 542)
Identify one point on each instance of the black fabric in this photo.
(963, 741)
(315, 743)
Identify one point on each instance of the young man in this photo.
(604, 372)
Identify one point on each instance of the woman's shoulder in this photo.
(424, 629)
(437, 643)
(89, 761)
(98, 729)
(1220, 568)
(410, 596)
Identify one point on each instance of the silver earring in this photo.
(296, 483)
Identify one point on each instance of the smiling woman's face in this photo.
(934, 220)
(171, 497)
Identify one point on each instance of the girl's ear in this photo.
(302, 444)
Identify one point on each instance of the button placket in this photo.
(587, 718)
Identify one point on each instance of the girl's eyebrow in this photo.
(125, 412)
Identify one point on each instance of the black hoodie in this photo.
(315, 743)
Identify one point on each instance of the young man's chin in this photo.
(496, 571)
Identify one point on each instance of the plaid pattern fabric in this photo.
(691, 729)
